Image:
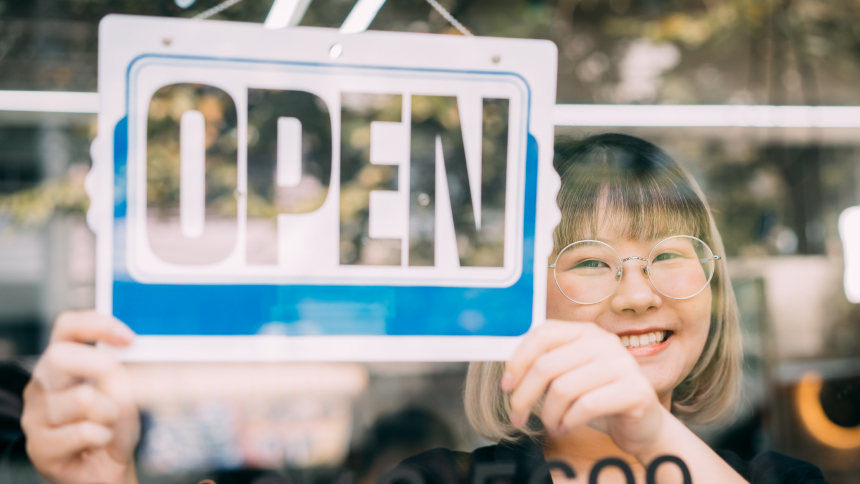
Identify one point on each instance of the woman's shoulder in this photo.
(774, 468)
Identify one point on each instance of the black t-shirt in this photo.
(523, 462)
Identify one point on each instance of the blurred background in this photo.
(777, 193)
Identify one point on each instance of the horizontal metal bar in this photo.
(50, 101)
(622, 115)
(716, 116)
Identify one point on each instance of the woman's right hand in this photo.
(80, 417)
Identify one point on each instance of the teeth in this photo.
(643, 340)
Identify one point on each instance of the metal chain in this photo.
(216, 9)
(450, 18)
(433, 3)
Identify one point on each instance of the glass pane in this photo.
(776, 193)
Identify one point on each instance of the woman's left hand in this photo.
(588, 377)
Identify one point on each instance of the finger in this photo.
(33, 413)
(81, 402)
(67, 441)
(65, 364)
(87, 326)
(567, 389)
(611, 399)
(547, 336)
(543, 371)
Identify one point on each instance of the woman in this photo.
(642, 333)
(639, 336)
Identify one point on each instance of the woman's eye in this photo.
(591, 263)
(668, 256)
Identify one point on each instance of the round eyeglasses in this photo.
(589, 271)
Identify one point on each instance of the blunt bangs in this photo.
(634, 193)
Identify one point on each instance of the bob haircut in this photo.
(634, 188)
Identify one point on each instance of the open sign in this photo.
(318, 193)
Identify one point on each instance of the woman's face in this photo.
(636, 308)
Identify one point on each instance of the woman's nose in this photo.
(635, 292)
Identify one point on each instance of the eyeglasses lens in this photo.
(587, 272)
(681, 266)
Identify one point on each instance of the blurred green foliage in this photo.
(35, 206)
(166, 108)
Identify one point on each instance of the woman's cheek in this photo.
(698, 326)
(704, 316)
(560, 308)
(555, 301)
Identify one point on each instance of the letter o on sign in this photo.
(628, 474)
(651, 476)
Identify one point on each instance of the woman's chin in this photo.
(662, 378)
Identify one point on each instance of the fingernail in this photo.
(507, 381)
(124, 333)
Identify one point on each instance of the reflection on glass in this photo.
(844, 433)
(191, 174)
(358, 177)
(289, 163)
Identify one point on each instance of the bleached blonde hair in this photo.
(635, 186)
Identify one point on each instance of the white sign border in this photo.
(159, 35)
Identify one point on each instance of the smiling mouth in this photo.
(645, 340)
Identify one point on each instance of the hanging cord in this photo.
(216, 9)
(433, 3)
(450, 18)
